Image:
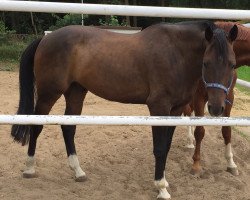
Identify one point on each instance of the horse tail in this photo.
(21, 133)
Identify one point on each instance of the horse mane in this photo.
(220, 35)
(203, 24)
(243, 32)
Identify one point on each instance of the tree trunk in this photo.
(127, 17)
(163, 5)
(33, 23)
(134, 17)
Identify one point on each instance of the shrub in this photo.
(69, 19)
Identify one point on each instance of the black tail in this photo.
(21, 133)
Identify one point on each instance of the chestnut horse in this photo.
(241, 48)
(159, 67)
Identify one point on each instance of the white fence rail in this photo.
(243, 83)
(123, 120)
(124, 10)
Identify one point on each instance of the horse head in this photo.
(218, 66)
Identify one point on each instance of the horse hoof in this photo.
(163, 194)
(190, 146)
(195, 172)
(29, 175)
(233, 170)
(81, 178)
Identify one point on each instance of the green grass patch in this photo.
(243, 89)
(244, 73)
(11, 49)
(9, 65)
(11, 52)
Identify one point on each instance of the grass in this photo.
(11, 48)
(244, 74)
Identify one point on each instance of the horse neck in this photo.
(242, 53)
(242, 46)
(242, 43)
(188, 41)
(194, 52)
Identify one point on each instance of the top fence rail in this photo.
(124, 10)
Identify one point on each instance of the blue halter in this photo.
(216, 85)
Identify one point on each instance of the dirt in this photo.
(118, 160)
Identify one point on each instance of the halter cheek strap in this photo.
(217, 85)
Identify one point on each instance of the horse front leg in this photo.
(162, 138)
(198, 134)
(226, 133)
(199, 104)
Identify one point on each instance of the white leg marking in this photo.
(229, 156)
(74, 165)
(190, 138)
(30, 166)
(161, 186)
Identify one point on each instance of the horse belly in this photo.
(115, 88)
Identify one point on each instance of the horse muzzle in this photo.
(215, 110)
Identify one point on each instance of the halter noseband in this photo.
(217, 85)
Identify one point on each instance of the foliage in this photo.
(69, 19)
(2, 27)
(112, 21)
(12, 47)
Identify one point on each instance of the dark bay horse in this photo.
(241, 48)
(159, 67)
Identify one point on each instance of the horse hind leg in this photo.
(74, 97)
(190, 137)
(43, 106)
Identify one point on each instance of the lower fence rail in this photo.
(123, 120)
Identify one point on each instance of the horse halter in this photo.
(216, 85)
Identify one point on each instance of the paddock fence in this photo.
(124, 10)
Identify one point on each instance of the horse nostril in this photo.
(222, 109)
(209, 108)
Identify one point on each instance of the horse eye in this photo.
(204, 64)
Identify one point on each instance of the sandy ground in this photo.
(118, 159)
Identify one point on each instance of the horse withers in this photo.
(159, 67)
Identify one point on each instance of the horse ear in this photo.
(233, 33)
(208, 33)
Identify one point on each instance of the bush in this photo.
(69, 19)
(112, 21)
(2, 27)
(12, 46)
